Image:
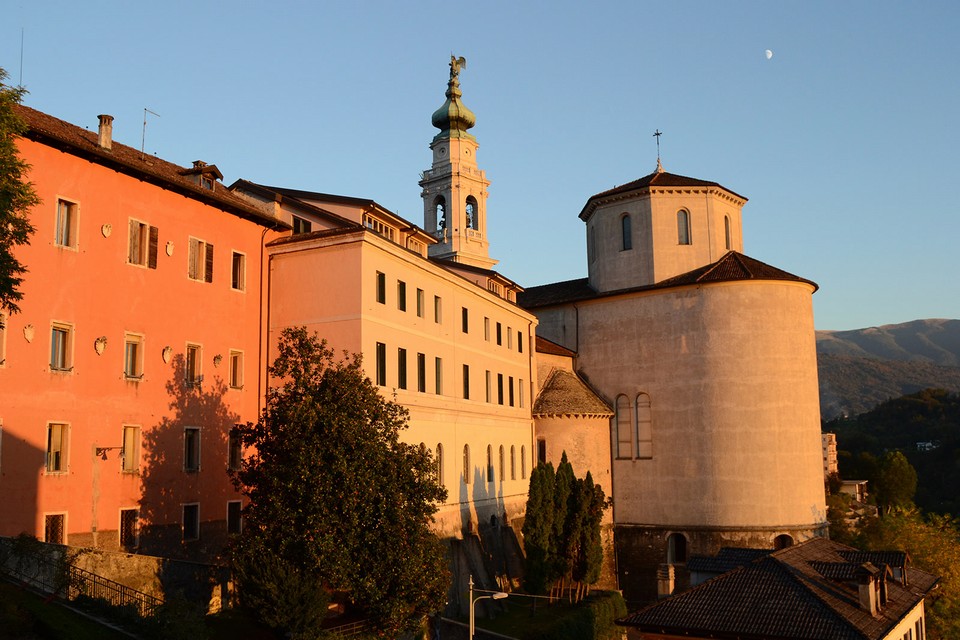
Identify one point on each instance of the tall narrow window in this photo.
(624, 435)
(421, 373)
(523, 462)
(683, 227)
(465, 320)
(438, 375)
(56, 448)
(236, 369)
(519, 341)
(420, 303)
(439, 463)
(234, 450)
(54, 528)
(486, 329)
(509, 338)
(381, 364)
(193, 369)
(440, 207)
(726, 232)
(488, 380)
(520, 392)
(238, 272)
(191, 521)
(437, 310)
(401, 368)
(200, 261)
(129, 528)
(499, 334)
(473, 216)
(510, 390)
(133, 356)
(143, 242)
(513, 462)
(131, 449)
(489, 463)
(66, 232)
(61, 347)
(234, 521)
(503, 466)
(626, 236)
(381, 287)
(401, 295)
(499, 388)
(191, 449)
(541, 451)
(466, 464)
(466, 382)
(644, 427)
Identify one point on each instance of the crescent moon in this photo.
(768, 53)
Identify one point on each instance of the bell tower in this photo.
(454, 188)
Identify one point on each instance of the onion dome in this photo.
(453, 118)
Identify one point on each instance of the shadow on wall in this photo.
(185, 488)
(23, 471)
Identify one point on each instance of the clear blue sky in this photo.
(846, 141)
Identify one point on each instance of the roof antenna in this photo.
(143, 137)
(21, 57)
(656, 134)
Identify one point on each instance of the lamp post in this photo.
(499, 595)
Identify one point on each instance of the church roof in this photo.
(566, 394)
(658, 178)
(732, 267)
(453, 118)
(552, 348)
(785, 595)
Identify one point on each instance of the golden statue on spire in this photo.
(456, 64)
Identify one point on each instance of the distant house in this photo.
(814, 590)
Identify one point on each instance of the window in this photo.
(234, 450)
(401, 295)
(523, 462)
(473, 218)
(402, 368)
(486, 329)
(440, 206)
(56, 447)
(131, 449)
(381, 364)
(509, 338)
(238, 272)
(726, 232)
(644, 427)
(192, 369)
(510, 391)
(61, 347)
(66, 231)
(234, 521)
(437, 310)
(378, 227)
(513, 462)
(466, 382)
(191, 521)
(465, 320)
(439, 463)
(466, 464)
(499, 388)
(624, 437)
(301, 225)
(520, 392)
(541, 451)
(499, 334)
(502, 465)
(144, 239)
(438, 375)
(519, 341)
(782, 542)
(191, 449)
(626, 237)
(420, 303)
(421, 373)
(236, 369)
(489, 386)
(133, 356)
(489, 463)
(54, 527)
(676, 548)
(129, 528)
(381, 287)
(683, 227)
(200, 261)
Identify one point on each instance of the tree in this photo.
(335, 494)
(538, 529)
(566, 520)
(588, 561)
(896, 481)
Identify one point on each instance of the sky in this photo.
(846, 141)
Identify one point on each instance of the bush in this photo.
(593, 619)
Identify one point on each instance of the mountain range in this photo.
(861, 368)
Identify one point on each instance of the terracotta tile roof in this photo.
(733, 266)
(655, 179)
(72, 139)
(566, 394)
(784, 595)
(552, 348)
(727, 559)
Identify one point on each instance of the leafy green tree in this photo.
(538, 529)
(335, 495)
(896, 481)
(16, 197)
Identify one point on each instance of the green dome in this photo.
(453, 118)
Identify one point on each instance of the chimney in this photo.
(665, 580)
(867, 575)
(105, 135)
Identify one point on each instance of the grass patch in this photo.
(27, 616)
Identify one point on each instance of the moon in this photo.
(768, 53)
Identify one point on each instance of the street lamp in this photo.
(499, 595)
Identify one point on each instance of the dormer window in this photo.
(206, 182)
(204, 175)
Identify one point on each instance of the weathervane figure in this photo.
(456, 64)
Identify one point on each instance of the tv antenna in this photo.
(143, 137)
(21, 58)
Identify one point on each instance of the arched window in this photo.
(782, 542)
(523, 462)
(473, 217)
(441, 208)
(439, 463)
(513, 462)
(726, 232)
(644, 427)
(624, 435)
(503, 467)
(466, 464)
(683, 227)
(625, 235)
(489, 463)
(541, 451)
(676, 548)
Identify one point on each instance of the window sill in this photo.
(130, 378)
(61, 369)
